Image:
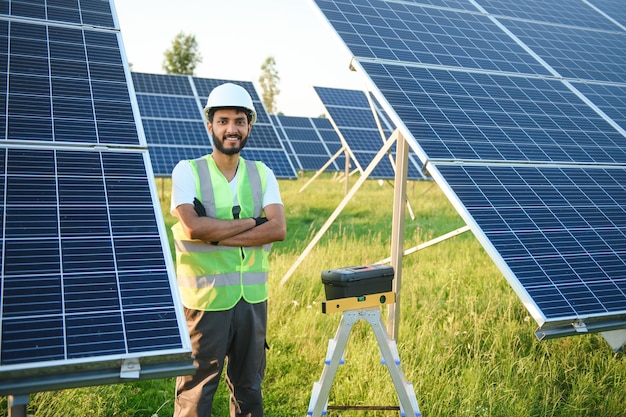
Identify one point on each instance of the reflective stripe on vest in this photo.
(215, 277)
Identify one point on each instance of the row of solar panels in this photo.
(171, 113)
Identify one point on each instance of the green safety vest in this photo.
(212, 277)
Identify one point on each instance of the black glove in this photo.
(260, 220)
(199, 207)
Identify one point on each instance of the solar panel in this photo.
(495, 117)
(518, 114)
(87, 279)
(312, 142)
(352, 115)
(559, 230)
(173, 121)
(413, 33)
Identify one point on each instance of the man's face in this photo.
(230, 130)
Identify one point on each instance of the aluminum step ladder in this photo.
(369, 311)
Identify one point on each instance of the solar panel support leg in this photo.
(616, 339)
(17, 405)
(319, 398)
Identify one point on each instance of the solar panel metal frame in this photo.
(21, 377)
(614, 318)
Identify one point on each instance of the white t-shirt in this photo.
(184, 187)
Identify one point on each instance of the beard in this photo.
(219, 144)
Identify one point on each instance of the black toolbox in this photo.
(356, 281)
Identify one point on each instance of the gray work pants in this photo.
(237, 334)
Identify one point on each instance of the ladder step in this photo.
(332, 343)
(364, 407)
(412, 399)
(394, 352)
(316, 392)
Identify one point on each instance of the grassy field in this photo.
(466, 342)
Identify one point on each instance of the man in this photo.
(229, 213)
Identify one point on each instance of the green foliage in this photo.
(183, 56)
(269, 80)
(465, 340)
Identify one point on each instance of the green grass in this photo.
(466, 342)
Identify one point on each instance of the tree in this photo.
(183, 57)
(269, 84)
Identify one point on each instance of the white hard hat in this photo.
(230, 95)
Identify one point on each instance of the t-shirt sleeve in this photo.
(272, 192)
(183, 185)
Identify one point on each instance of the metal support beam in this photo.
(326, 165)
(17, 405)
(381, 153)
(429, 243)
(397, 230)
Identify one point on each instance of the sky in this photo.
(235, 38)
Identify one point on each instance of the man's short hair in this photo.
(212, 111)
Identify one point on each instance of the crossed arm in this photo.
(237, 232)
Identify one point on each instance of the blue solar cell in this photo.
(613, 9)
(96, 13)
(276, 159)
(64, 11)
(303, 123)
(88, 12)
(169, 107)
(302, 134)
(43, 339)
(309, 148)
(164, 158)
(28, 9)
(179, 132)
(76, 221)
(162, 84)
(323, 123)
(313, 142)
(315, 162)
(611, 99)
(264, 136)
